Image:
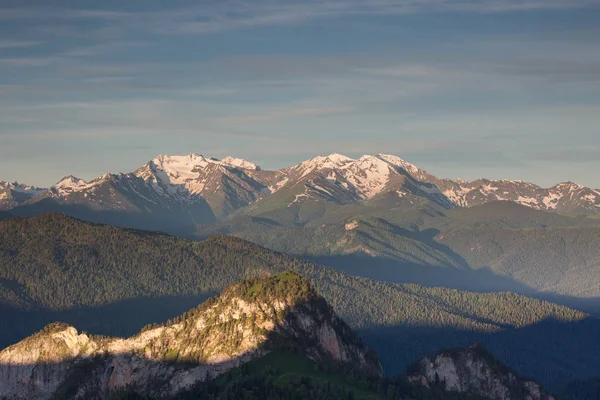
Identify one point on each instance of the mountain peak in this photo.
(569, 185)
(239, 163)
(331, 161)
(339, 158)
(70, 181)
(188, 159)
(247, 321)
(20, 187)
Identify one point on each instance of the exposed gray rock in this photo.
(473, 370)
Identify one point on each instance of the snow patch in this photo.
(278, 185)
(297, 199)
(551, 200)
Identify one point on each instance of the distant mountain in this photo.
(473, 370)
(172, 193)
(225, 185)
(113, 281)
(318, 186)
(566, 197)
(13, 194)
(246, 322)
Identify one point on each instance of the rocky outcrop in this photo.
(475, 371)
(247, 321)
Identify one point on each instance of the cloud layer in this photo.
(511, 87)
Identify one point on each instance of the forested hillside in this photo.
(283, 337)
(132, 278)
(493, 247)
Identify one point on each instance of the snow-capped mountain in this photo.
(566, 197)
(166, 192)
(340, 179)
(119, 199)
(13, 194)
(192, 189)
(226, 185)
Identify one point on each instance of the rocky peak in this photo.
(20, 187)
(13, 193)
(474, 371)
(69, 184)
(246, 321)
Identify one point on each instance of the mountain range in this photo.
(346, 213)
(180, 190)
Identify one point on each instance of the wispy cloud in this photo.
(25, 61)
(229, 15)
(569, 155)
(11, 44)
(238, 14)
(280, 113)
(43, 11)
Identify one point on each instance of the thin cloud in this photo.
(569, 155)
(229, 15)
(25, 61)
(12, 44)
(283, 113)
(243, 14)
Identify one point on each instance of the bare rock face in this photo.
(247, 321)
(474, 371)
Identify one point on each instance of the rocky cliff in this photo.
(474, 371)
(246, 321)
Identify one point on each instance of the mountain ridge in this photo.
(246, 321)
(232, 184)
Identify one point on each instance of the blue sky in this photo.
(494, 88)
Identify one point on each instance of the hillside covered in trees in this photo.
(262, 338)
(498, 246)
(132, 278)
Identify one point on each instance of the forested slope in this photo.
(46, 260)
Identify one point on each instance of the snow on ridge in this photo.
(179, 168)
(397, 161)
(189, 176)
(569, 185)
(190, 161)
(240, 163)
(369, 175)
(70, 182)
(22, 188)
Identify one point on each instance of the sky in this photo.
(473, 88)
